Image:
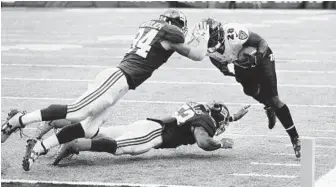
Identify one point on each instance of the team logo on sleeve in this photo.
(242, 35)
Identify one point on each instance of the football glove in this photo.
(241, 113)
(252, 60)
(226, 143)
(201, 30)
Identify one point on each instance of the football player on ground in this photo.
(191, 123)
(255, 71)
(154, 43)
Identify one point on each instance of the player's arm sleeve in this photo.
(173, 34)
(257, 41)
(223, 67)
(204, 141)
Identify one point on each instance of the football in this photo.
(246, 50)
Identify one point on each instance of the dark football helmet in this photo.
(220, 113)
(177, 18)
(216, 33)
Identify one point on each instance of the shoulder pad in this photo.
(173, 34)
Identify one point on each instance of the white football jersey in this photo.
(235, 35)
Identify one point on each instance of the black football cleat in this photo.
(297, 146)
(271, 117)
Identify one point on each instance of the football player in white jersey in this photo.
(191, 123)
(255, 72)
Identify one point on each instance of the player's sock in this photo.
(32, 117)
(70, 133)
(285, 118)
(49, 143)
(82, 144)
(104, 145)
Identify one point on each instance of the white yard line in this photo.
(154, 102)
(11, 181)
(275, 164)
(316, 130)
(263, 175)
(168, 82)
(167, 68)
(327, 180)
(317, 146)
(292, 154)
(277, 136)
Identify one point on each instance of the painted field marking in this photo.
(275, 164)
(154, 102)
(323, 130)
(277, 136)
(263, 175)
(11, 181)
(291, 155)
(167, 68)
(317, 146)
(168, 82)
(329, 179)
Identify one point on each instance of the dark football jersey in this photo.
(146, 53)
(177, 129)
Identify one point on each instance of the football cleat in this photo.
(12, 124)
(31, 156)
(65, 150)
(297, 146)
(271, 117)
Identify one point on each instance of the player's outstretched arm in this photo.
(194, 53)
(207, 143)
(241, 113)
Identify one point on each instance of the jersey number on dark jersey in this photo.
(142, 42)
(186, 112)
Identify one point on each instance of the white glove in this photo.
(241, 113)
(201, 31)
(227, 143)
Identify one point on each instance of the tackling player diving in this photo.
(191, 123)
(153, 45)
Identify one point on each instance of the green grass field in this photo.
(49, 55)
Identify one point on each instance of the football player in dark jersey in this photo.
(154, 43)
(191, 123)
(255, 72)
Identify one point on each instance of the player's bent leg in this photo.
(141, 137)
(84, 144)
(46, 126)
(285, 117)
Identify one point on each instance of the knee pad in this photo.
(70, 133)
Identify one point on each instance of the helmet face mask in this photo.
(177, 18)
(216, 32)
(220, 113)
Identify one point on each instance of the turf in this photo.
(303, 43)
